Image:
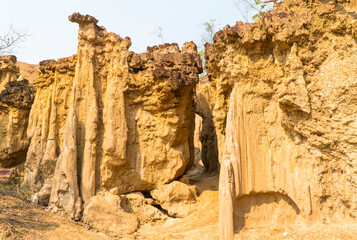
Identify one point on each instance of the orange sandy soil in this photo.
(21, 220)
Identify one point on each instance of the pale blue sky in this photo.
(52, 36)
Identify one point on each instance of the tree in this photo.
(207, 37)
(210, 30)
(10, 39)
(252, 9)
(158, 33)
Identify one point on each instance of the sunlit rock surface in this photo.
(110, 119)
(285, 114)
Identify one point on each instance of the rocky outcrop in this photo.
(8, 70)
(285, 115)
(16, 98)
(47, 123)
(207, 133)
(110, 119)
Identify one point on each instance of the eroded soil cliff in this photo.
(285, 114)
(107, 119)
(110, 133)
(16, 98)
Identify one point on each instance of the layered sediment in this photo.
(205, 96)
(107, 119)
(16, 98)
(8, 70)
(285, 115)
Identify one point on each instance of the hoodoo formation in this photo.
(16, 98)
(107, 119)
(285, 116)
(107, 134)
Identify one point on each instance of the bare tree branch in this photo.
(10, 39)
(243, 13)
(245, 8)
(211, 27)
(251, 9)
(270, 1)
(210, 30)
(158, 33)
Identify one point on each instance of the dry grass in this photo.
(11, 202)
(13, 187)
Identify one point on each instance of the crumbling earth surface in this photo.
(16, 98)
(20, 219)
(285, 115)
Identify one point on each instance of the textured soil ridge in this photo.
(285, 115)
(107, 119)
(108, 134)
(16, 98)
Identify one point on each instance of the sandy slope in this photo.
(21, 220)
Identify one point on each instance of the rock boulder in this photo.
(176, 198)
(104, 213)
